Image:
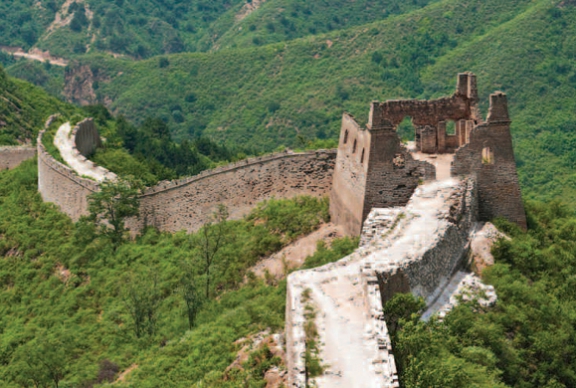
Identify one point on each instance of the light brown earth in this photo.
(248, 8)
(35, 54)
(293, 255)
(274, 377)
(122, 376)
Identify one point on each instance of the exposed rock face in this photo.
(78, 85)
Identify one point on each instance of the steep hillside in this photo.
(144, 28)
(66, 297)
(260, 22)
(23, 110)
(71, 27)
(289, 93)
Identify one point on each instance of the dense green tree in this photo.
(112, 205)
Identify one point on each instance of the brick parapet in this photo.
(178, 183)
(61, 185)
(12, 156)
(186, 204)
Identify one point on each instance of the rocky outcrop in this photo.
(78, 85)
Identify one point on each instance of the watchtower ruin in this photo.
(375, 170)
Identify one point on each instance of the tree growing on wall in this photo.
(112, 205)
(211, 238)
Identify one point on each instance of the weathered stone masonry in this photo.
(374, 170)
(61, 185)
(11, 157)
(187, 203)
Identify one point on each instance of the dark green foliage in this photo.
(148, 152)
(338, 248)
(301, 216)
(109, 208)
(50, 78)
(528, 339)
(24, 109)
(142, 298)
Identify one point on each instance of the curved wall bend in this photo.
(187, 203)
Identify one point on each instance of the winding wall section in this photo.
(61, 185)
(187, 203)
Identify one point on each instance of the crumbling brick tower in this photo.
(374, 169)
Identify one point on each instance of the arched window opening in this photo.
(487, 156)
(450, 128)
(406, 130)
(354, 147)
(362, 157)
(345, 136)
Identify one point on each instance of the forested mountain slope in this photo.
(290, 93)
(24, 109)
(144, 28)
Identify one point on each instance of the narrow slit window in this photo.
(354, 147)
(346, 137)
(362, 157)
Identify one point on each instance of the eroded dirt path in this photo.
(293, 255)
(35, 54)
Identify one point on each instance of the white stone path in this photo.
(348, 336)
(83, 167)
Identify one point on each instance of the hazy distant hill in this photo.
(292, 92)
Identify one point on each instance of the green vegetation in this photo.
(145, 154)
(24, 109)
(281, 20)
(67, 296)
(312, 362)
(144, 28)
(292, 93)
(527, 340)
(48, 77)
(112, 205)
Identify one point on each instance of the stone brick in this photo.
(11, 157)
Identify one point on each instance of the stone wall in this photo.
(393, 174)
(61, 185)
(76, 144)
(86, 137)
(425, 273)
(187, 203)
(463, 104)
(415, 248)
(11, 157)
(489, 156)
(349, 183)
(373, 169)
